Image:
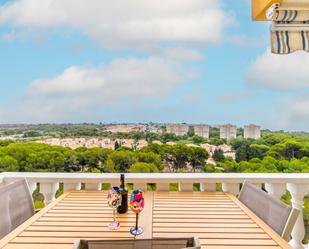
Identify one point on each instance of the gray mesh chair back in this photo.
(157, 243)
(280, 217)
(16, 206)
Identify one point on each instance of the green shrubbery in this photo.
(37, 157)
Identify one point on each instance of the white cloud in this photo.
(284, 72)
(291, 113)
(79, 91)
(119, 24)
(280, 71)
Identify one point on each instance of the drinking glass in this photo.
(137, 205)
(114, 200)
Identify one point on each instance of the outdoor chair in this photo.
(16, 206)
(157, 243)
(280, 217)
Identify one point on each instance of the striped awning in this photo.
(285, 42)
(290, 15)
(290, 30)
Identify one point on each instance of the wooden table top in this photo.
(218, 219)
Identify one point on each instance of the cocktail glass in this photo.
(114, 200)
(137, 205)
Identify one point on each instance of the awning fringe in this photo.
(289, 31)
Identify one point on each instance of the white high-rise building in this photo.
(201, 130)
(228, 131)
(177, 129)
(252, 131)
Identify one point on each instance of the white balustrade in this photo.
(298, 191)
(231, 187)
(163, 187)
(49, 191)
(185, 186)
(71, 186)
(275, 184)
(210, 187)
(275, 189)
(93, 186)
(32, 186)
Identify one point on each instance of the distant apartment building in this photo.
(201, 130)
(252, 131)
(228, 131)
(177, 129)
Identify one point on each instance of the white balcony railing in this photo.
(275, 184)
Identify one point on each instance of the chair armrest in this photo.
(196, 244)
(76, 244)
(36, 210)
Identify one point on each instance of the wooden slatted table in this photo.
(218, 219)
(75, 215)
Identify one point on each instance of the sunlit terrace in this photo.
(201, 205)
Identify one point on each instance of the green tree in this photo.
(57, 161)
(94, 157)
(137, 135)
(153, 147)
(5, 142)
(20, 153)
(197, 157)
(152, 136)
(288, 149)
(122, 160)
(218, 155)
(242, 148)
(32, 134)
(271, 139)
(228, 165)
(166, 137)
(150, 157)
(198, 140)
(109, 166)
(258, 151)
(191, 131)
(140, 167)
(217, 141)
(117, 145)
(214, 132)
(240, 132)
(179, 155)
(45, 161)
(209, 168)
(292, 149)
(8, 163)
(71, 163)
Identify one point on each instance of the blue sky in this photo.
(66, 61)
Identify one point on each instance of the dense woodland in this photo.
(274, 152)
